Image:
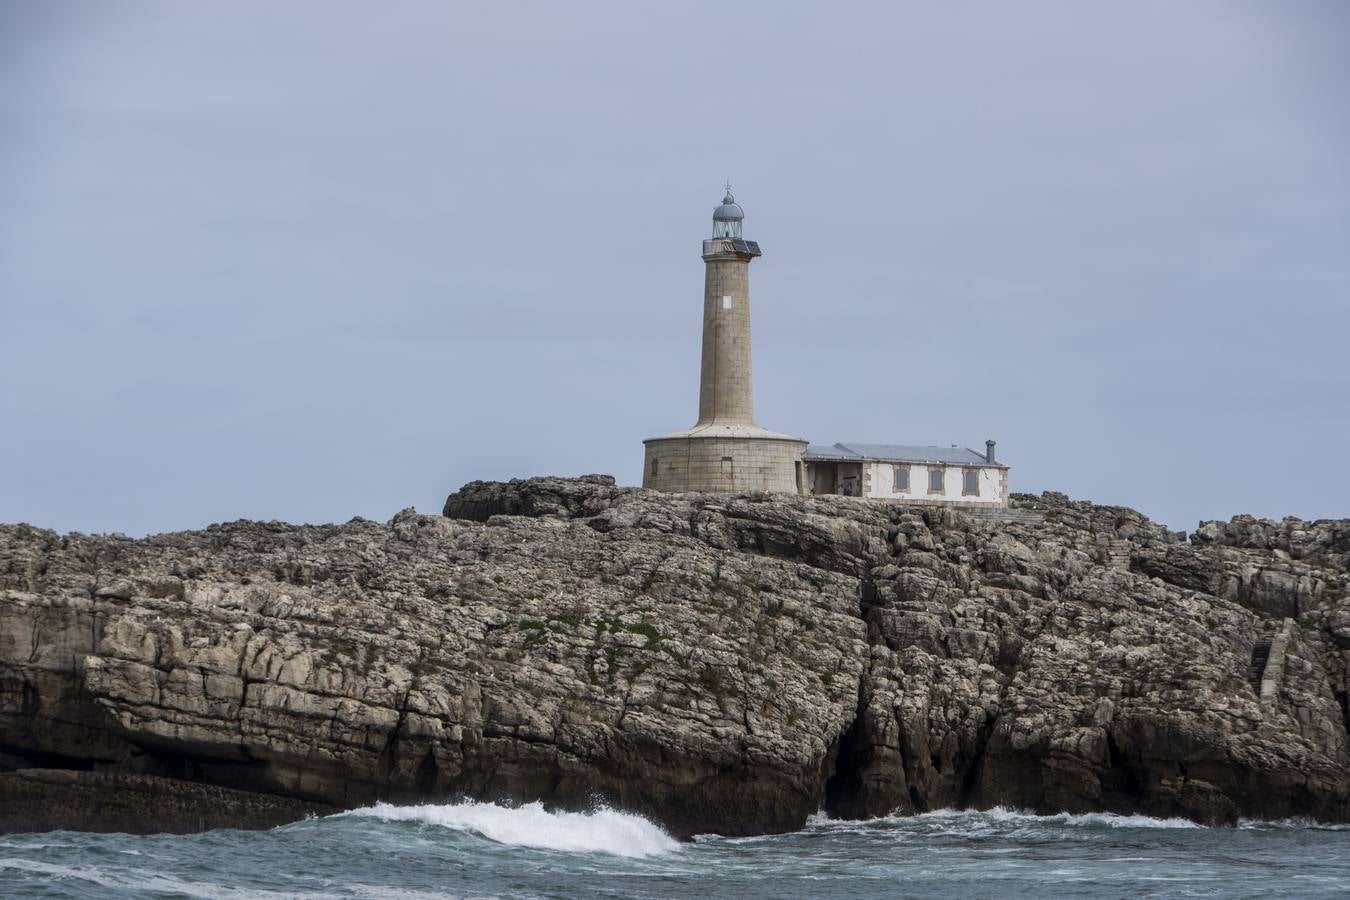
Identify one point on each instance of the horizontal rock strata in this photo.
(52, 799)
(720, 663)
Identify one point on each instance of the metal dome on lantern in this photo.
(728, 217)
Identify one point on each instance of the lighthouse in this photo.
(725, 450)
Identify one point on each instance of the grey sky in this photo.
(310, 261)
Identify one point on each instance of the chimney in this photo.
(989, 452)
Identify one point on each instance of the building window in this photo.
(900, 480)
(935, 479)
(654, 465)
(970, 483)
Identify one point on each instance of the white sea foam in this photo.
(29, 865)
(602, 831)
(1000, 815)
(1298, 823)
(1089, 820)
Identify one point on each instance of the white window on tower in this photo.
(726, 301)
(934, 479)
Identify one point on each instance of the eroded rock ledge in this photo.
(718, 663)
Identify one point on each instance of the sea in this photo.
(475, 850)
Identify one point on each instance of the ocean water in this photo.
(479, 851)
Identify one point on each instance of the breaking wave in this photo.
(602, 831)
(480, 850)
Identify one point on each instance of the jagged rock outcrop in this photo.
(720, 663)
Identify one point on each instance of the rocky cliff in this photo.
(719, 663)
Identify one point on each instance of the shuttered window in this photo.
(900, 480)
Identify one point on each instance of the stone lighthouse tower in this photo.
(725, 450)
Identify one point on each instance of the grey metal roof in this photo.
(910, 453)
(728, 211)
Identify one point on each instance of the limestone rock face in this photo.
(719, 663)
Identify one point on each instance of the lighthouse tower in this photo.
(725, 450)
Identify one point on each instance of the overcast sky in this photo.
(311, 261)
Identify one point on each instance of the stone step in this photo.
(1118, 553)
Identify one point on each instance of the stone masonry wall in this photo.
(725, 392)
(701, 464)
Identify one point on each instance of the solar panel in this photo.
(731, 245)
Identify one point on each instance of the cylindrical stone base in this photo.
(725, 464)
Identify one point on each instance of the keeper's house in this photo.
(950, 476)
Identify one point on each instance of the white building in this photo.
(951, 476)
